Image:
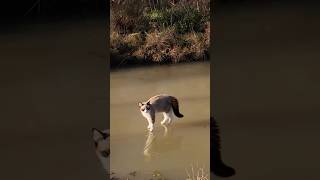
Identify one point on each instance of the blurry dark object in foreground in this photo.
(48, 9)
(217, 165)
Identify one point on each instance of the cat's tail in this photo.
(217, 165)
(175, 107)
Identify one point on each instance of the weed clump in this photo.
(160, 31)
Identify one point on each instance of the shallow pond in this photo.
(170, 150)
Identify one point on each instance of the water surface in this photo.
(169, 149)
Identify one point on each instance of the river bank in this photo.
(158, 33)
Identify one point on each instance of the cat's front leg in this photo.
(150, 126)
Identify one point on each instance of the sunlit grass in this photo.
(160, 32)
(197, 173)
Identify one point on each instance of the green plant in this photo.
(184, 18)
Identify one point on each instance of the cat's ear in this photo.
(140, 104)
(97, 134)
(105, 135)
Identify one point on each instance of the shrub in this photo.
(184, 18)
(160, 30)
(157, 45)
(126, 16)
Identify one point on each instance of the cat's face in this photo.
(101, 141)
(144, 107)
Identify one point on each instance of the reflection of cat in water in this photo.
(166, 143)
(156, 144)
(217, 165)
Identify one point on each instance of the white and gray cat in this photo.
(168, 105)
(101, 141)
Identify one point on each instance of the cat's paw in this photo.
(150, 128)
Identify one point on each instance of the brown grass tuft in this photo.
(144, 30)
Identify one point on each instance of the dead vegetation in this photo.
(159, 31)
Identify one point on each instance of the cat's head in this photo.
(144, 106)
(101, 141)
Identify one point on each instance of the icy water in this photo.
(169, 150)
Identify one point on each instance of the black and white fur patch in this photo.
(101, 141)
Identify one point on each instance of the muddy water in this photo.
(169, 149)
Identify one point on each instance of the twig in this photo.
(34, 5)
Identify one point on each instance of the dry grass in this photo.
(197, 173)
(160, 31)
(194, 173)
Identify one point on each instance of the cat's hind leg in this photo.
(170, 116)
(165, 118)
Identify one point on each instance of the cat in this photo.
(217, 166)
(168, 105)
(101, 141)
